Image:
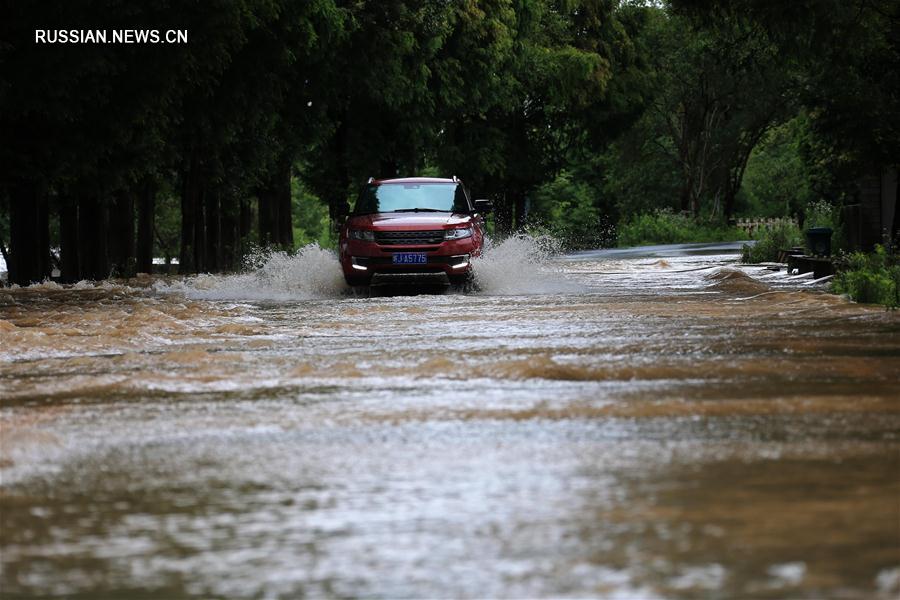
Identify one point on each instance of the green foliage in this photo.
(782, 236)
(639, 176)
(310, 218)
(847, 54)
(529, 103)
(821, 213)
(167, 230)
(568, 208)
(777, 180)
(713, 89)
(721, 85)
(667, 227)
(870, 278)
(588, 110)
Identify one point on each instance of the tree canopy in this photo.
(572, 112)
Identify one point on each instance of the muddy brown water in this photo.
(649, 425)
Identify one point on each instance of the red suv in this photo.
(419, 230)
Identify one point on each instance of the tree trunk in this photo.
(146, 214)
(337, 194)
(685, 197)
(895, 226)
(46, 256)
(70, 271)
(200, 231)
(730, 201)
(229, 232)
(388, 168)
(121, 234)
(265, 221)
(190, 209)
(92, 228)
(521, 207)
(213, 232)
(245, 226)
(503, 215)
(695, 206)
(285, 225)
(29, 249)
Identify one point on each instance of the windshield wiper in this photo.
(419, 210)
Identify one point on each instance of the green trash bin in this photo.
(818, 240)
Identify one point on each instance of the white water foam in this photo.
(309, 273)
(517, 265)
(521, 264)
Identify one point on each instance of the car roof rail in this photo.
(371, 179)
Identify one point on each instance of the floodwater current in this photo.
(656, 423)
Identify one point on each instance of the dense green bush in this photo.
(821, 213)
(667, 227)
(566, 208)
(310, 218)
(869, 278)
(783, 235)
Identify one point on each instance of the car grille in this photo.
(409, 238)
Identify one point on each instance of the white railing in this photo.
(753, 226)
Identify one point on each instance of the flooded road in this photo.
(659, 423)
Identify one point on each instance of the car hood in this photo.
(409, 220)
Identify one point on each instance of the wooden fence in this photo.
(753, 226)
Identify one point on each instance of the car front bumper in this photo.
(360, 260)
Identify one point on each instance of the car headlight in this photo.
(457, 234)
(362, 234)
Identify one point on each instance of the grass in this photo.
(869, 278)
(667, 227)
(783, 235)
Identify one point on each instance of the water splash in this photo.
(734, 281)
(309, 273)
(521, 264)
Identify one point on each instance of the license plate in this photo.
(410, 258)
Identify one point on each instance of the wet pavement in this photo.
(654, 423)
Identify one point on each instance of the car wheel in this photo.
(462, 280)
(356, 281)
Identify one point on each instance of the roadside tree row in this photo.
(568, 113)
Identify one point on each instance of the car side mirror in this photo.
(484, 206)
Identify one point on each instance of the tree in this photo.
(848, 53)
(244, 125)
(777, 181)
(516, 134)
(95, 137)
(373, 83)
(722, 86)
(86, 125)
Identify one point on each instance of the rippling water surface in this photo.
(654, 423)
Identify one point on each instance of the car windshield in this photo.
(412, 197)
